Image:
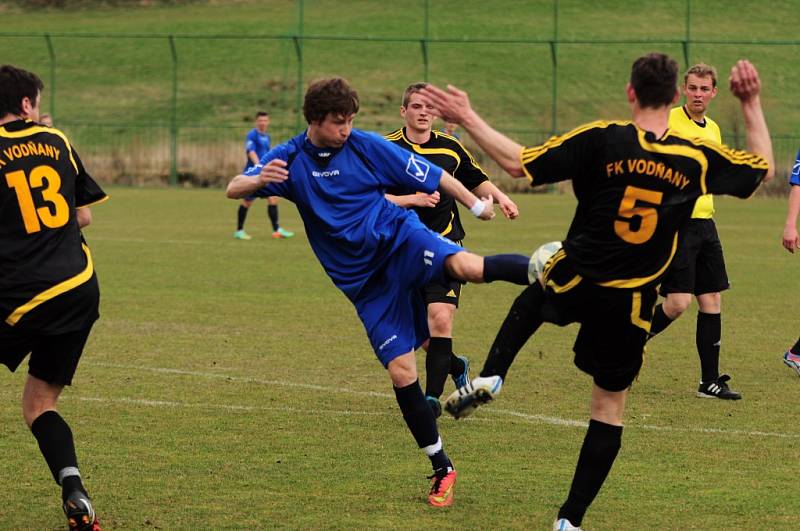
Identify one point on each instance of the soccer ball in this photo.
(539, 259)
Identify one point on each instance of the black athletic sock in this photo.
(241, 215)
(456, 364)
(421, 422)
(709, 332)
(796, 348)
(57, 446)
(272, 212)
(600, 448)
(508, 267)
(660, 321)
(437, 365)
(523, 319)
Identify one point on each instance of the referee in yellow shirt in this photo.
(698, 267)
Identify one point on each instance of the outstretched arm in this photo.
(414, 200)
(791, 240)
(243, 185)
(507, 206)
(746, 86)
(481, 207)
(453, 106)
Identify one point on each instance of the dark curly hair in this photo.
(329, 96)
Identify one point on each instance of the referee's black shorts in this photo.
(614, 323)
(698, 266)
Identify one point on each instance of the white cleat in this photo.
(562, 524)
(466, 399)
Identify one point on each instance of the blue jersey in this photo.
(794, 179)
(352, 228)
(258, 142)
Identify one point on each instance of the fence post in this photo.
(51, 51)
(173, 129)
(554, 59)
(424, 41)
(298, 47)
(688, 34)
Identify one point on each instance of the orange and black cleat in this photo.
(443, 488)
(80, 513)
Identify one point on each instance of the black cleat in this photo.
(467, 399)
(718, 389)
(80, 513)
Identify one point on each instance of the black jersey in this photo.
(449, 154)
(634, 191)
(42, 252)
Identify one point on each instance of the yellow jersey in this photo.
(681, 123)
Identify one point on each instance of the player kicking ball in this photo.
(636, 184)
(378, 254)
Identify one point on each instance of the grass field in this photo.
(229, 385)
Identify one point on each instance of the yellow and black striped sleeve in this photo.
(731, 171)
(563, 157)
(468, 171)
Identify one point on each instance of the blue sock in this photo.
(509, 267)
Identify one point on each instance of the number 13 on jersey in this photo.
(56, 214)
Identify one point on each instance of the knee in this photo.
(402, 371)
(465, 266)
(676, 304)
(440, 323)
(709, 302)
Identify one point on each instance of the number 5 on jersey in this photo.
(628, 210)
(53, 216)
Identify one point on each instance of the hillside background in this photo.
(150, 91)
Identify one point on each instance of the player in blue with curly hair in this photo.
(378, 254)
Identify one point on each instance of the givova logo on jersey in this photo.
(418, 168)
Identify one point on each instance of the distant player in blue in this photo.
(378, 254)
(256, 145)
(791, 241)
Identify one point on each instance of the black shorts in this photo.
(698, 266)
(54, 358)
(448, 292)
(614, 323)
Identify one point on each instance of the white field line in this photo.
(527, 417)
(159, 241)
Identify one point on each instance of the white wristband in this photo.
(478, 208)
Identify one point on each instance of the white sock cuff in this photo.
(435, 447)
(66, 472)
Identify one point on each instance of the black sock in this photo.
(272, 212)
(56, 444)
(796, 348)
(421, 422)
(522, 321)
(456, 364)
(437, 365)
(241, 215)
(709, 332)
(508, 267)
(600, 448)
(660, 321)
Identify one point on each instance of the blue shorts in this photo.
(392, 305)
